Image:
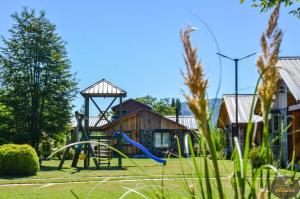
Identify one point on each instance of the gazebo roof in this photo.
(103, 88)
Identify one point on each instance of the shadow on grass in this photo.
(78, 169)
(51, 168)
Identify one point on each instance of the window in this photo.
(276, 122)
(162, 139)
(276, 128)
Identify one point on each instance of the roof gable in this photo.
(103, 88)
(244, 108)
(289, 71)
(135, 102)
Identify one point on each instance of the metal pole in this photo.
(236, 86)
(236, 98)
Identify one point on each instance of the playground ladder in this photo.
(103, 152)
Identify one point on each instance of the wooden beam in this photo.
(86, 129)
(103, 113)
(119, 138)
(99, 109)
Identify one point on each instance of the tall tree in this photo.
(36, 79)
(6, 123)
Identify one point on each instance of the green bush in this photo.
(258, 157)
(16, 160)
(220, 140)
(255, 158)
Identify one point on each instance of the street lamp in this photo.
(236, 86)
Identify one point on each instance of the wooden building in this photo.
(227, 120)
(285, 112)
(150, 129)
(286, 109)
(155, 132)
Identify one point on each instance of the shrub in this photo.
(258, 156)
(18, 160)
(254, 157)
(220, 138)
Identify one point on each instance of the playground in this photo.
(133, 130)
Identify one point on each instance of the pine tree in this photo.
(36, 78)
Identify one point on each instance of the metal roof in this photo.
(244, 108)
(92, 121)
(289, 70)
(188, 121)
(103, 88)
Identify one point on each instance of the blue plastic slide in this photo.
(142, 148)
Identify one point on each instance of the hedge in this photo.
(18, 160)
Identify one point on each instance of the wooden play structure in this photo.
(133, 129)
(100, 153)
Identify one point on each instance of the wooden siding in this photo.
(140, 122)
(143, 120)
(223, 119)
(291, 100)
(294, 136)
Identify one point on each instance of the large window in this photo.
(162, 139)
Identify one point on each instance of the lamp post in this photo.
(236, 60)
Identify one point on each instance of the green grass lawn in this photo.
(143, 175)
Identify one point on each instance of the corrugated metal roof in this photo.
(92, 121)
(289, 70)
(103, 88)
(185, 120)
(244, 108)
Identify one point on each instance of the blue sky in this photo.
(136, 45)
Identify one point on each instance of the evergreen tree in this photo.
(36, 79)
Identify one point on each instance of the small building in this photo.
(155, 132)
(227, 119)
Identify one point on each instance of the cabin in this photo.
(285, 111)
(153, 131)
(227, 119)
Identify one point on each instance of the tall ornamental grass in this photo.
(266, 87)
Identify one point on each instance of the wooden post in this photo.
(119, 143)
(86, 128)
